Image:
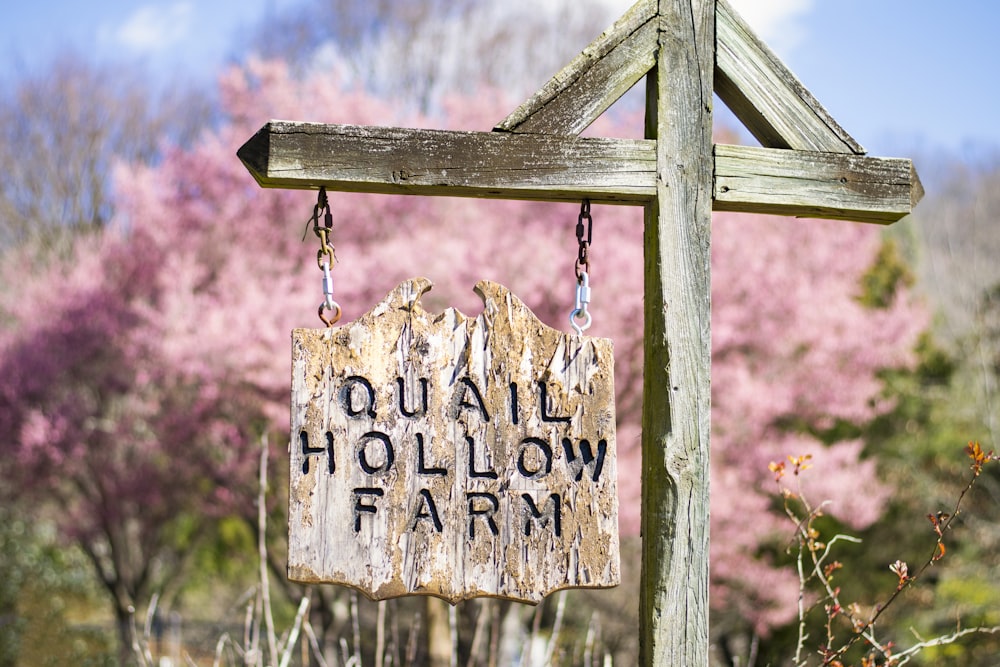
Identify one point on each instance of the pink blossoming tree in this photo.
(136, 378)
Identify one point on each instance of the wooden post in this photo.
(673, 612)
(807, 165)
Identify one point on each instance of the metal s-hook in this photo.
(325, 256)
(582, 302)
(328, 302)
(329, 321)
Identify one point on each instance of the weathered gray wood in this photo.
(461, 164)
(814, 185)
(676, 405)
(455, 457)
(594, 80)
(673, 178)
(764, 94)
(550, 168)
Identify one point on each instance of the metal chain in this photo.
(584, 235)
(325, 257)
(583, 254)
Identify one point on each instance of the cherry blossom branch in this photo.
(808, 540)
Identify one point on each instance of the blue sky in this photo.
(189, 38)
(900, 75)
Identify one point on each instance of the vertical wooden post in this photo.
(677, 356)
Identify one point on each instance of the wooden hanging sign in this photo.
(452, 456)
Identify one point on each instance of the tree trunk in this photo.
(439, 648)
(123, 621)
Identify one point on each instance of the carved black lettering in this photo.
(422, 468)
(460, 401)
(477, 508)
(543, 402)
(348, 394)
(426, 510)
(308, 451)
(534, 458)
(365, 508)
(514, 408)
(384, 462)
(329, 452)
(417, 411)
(586, 458)
(551, 512)
(473, 472)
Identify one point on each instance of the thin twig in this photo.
(494, 635)
(477, 635)
(141, 652)
(293, 636)
(909, 653)
(453, 627)
(380, 635)
(148, 625)
(265, 584)
(396, 644)
(251, 629)
(411, 641)
(865, 631)
(345, 653)
(219, 647)
(314, 644)
(819, 554)
(550, 649)
(588, 643)
(356, 627)
(536, 624)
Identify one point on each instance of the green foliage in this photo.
(231, 552)
(46, 593)
(51, 639)
(939, 404)
(886, 277)
(917, 444)
(12, 574)
(974, 591)
(843, 628)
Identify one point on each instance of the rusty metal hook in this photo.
(330, 304)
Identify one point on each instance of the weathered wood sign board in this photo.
(452, 456)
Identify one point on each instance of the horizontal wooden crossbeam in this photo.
(501, 165)
(496, 165)
(809, 184)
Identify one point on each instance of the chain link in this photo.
(584, 235)
(325, 257)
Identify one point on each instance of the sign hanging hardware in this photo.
(580, 318)
(325, 257)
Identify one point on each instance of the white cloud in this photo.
(777, 22)
(536, 38)
(154, 28)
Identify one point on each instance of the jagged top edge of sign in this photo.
(495, 296)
